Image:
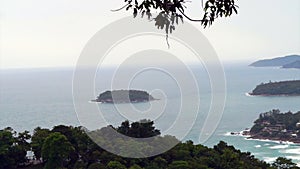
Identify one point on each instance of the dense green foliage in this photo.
(278, 88)
(70, 147)
(142, 129)
(55, 149)
(13, 148)
(124, 96)
(277, 126)
(37, 141)
(129, 146)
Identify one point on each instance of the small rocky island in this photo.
(286, 88)
(124, 96)
(277, 126)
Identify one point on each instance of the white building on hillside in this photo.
(298, 124)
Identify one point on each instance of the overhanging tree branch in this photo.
(194, 20)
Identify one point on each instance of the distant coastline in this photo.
(286, 62)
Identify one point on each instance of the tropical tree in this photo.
(141, 129)
(37, 141)
(115, 165)
(21, 146)
(6, 144)
(56, 150)
(96, 166)
(179, 165)
(13, 148)
(135, 166)
(284, 163)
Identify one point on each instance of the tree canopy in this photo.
(55, 150)
(62, 144)
(13, 148)
(141, 129)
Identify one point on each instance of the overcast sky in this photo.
(35, 33)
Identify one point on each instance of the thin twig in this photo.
(115, 10)
(167, 39)
(194, 20)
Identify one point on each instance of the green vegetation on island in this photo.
(124, 96)
(288, 88)
(274, 125)
(68, 147)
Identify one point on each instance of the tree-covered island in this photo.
(286, 88)
(124, 96)
(274, 125)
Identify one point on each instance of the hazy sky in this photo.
(35, 33)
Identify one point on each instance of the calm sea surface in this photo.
(43, 97)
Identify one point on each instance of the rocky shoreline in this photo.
(275, 126)
(246, 133)
(280, 140)
(267, 95)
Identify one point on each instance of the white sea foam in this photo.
(263, 140)
(273, 141)
(270, 159)
(255, 154)
(293, 157)
(279, 146)
(227, 134)
(257, 146)
(292, 151)
(288, 142)
(249, 95)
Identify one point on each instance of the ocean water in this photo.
(43, 97)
